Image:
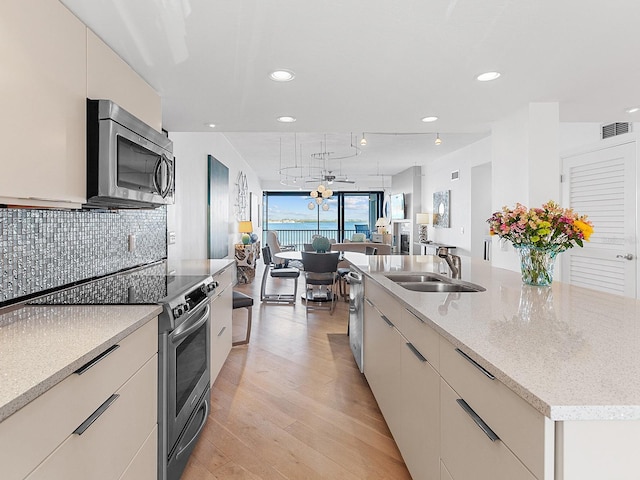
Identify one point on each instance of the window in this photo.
(289, 213)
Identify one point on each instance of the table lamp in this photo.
(423, 220)
(245, 228)
(382, 223)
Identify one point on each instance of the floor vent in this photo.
(613, 129)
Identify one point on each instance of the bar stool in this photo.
(240, 300)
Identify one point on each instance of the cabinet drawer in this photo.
(516, 422)
(422, 336)
(220, 345)
(225, 278)
(444, 473)
(107, 446)
(144, 465)
(468, 452)
(221, 322)
(385, 303)
(44, 423)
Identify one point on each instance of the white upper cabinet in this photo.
(50, 63)
(109, 77)
(42, 98)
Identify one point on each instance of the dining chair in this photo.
(320, 277)
(362, 228)
(271, 270)
(274, 244)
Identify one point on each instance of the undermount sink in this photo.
(441, 287)
(416, 277)
(432, 282)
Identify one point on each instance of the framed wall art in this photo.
(441, 209)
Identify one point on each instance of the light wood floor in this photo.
(292, 404)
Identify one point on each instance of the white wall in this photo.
(188, 217)
(438, 177)
(408, 182)
(525, 165)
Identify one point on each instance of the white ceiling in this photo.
(372, 66)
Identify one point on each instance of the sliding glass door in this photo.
(298, 218)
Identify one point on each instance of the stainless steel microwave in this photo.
(129, 164)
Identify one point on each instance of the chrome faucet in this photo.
(452, 260)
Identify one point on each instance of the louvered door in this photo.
(602, 185)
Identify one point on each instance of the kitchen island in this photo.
(570, 355)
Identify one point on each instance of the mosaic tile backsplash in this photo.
(43, 249)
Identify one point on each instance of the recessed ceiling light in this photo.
(282, 75)
(210, 125)
(488, 76)
(429, 119)
(632, 109)
(286, 119)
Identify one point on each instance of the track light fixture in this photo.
(363, 140)
(438, 139)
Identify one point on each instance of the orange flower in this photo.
(584, 227)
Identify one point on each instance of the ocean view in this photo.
(309, 225)
(298, 233)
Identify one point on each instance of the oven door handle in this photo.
(195, 437)
(183, 331)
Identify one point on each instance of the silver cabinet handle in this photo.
(222, 331)
(477, 420)
(389, 322)
(415, 351)
(476, 364)
(416, 316)
(91, 363)
(95, 415)
(628, 256)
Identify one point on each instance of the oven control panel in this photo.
(190, 299)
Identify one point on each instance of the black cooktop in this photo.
(142, 285)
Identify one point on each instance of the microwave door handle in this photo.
(162, 177)
(156, 173)
(169, 177)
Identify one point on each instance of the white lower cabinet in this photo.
(444, 473)
(382, 363)
(419, 435)
(435, 400)
(468, 451)
(406, 387)
(107, 446)
(221, 321)
(97, 423)
(144, 464)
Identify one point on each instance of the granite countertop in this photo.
(570, 352)
(41, 346)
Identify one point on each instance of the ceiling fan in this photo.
(328, 177)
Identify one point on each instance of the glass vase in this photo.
(536, 264)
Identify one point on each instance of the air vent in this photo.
(455, 175)
(613, 129)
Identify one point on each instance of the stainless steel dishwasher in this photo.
(356, 315)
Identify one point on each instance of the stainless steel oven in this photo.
(129, 164)
(184, 353)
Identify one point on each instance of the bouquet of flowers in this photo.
(549, 227)
(539, 234)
